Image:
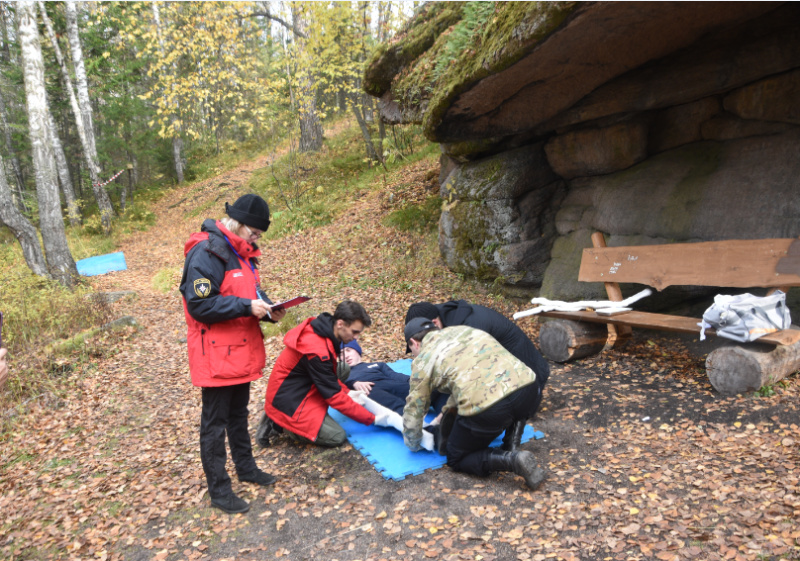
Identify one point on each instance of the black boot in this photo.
(513, 436)
(259, 477)
(266, 429)
(522, 463)
(231, 504)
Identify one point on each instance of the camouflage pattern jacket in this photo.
(467, 363)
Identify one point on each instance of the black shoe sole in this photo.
(223, 509)
(267, 484)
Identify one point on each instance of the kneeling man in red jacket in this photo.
(308, 375)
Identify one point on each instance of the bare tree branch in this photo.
(287, 25)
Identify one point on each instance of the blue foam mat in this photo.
(384, 447)
(102, 264)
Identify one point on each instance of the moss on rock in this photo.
(451, 46)
(417, 37)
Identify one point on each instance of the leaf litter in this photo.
(646, 461)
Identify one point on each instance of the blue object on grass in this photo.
(384, 448)
(101, 264)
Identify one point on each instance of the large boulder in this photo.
(649, 121)
(497, 217)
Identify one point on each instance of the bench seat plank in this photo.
(730, 263)
(648, 320)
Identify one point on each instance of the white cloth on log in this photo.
(545, 305)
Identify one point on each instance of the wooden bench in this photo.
(734, 367)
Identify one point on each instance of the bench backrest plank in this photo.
(730, 263)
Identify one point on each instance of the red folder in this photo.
(290, 303)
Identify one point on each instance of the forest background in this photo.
(106, 106)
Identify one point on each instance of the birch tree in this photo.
(85, 105)
(12, 152)
(11, 149)
(51, 222)
(73, 212)
(21, 227)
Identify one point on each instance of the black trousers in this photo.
(468, 443)
(225, 412)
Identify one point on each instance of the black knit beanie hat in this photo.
(422, 310)
(250, 210)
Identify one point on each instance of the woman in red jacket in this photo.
(223, 304)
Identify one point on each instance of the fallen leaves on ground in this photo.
(645, 460)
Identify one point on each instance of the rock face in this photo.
(497, 219)
(651, 122)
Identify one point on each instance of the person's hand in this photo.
(3, 367)
(363, 387)
(259, 308)
(277, 315)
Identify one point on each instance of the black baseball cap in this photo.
(414, 326)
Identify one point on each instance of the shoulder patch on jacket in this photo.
(202, 287)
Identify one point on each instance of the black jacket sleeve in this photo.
(203, 274)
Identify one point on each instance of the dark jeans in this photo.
(391, 391)
(225, 412)
(468, 442)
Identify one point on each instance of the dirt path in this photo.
(645, 460)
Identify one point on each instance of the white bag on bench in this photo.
(745, 317)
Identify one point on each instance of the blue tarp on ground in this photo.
(101, 264)
(384, 447)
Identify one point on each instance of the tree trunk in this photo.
(177, 156)
(63, 169)
(5, 54)
(12, 153)
(51, 222)
(73, 212)
(135, 163)
(177, 141)
(22, 229)
(310, 125)
(365, 134)
(292, 99)
(381, 128)
(90, 148)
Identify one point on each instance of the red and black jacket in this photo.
(303, 382)
(224, 339)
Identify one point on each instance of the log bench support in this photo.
(736, 368)
(565, 340)
(733, 368)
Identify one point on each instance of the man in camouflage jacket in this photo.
(490, 390)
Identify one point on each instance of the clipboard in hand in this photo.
(290, 303)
